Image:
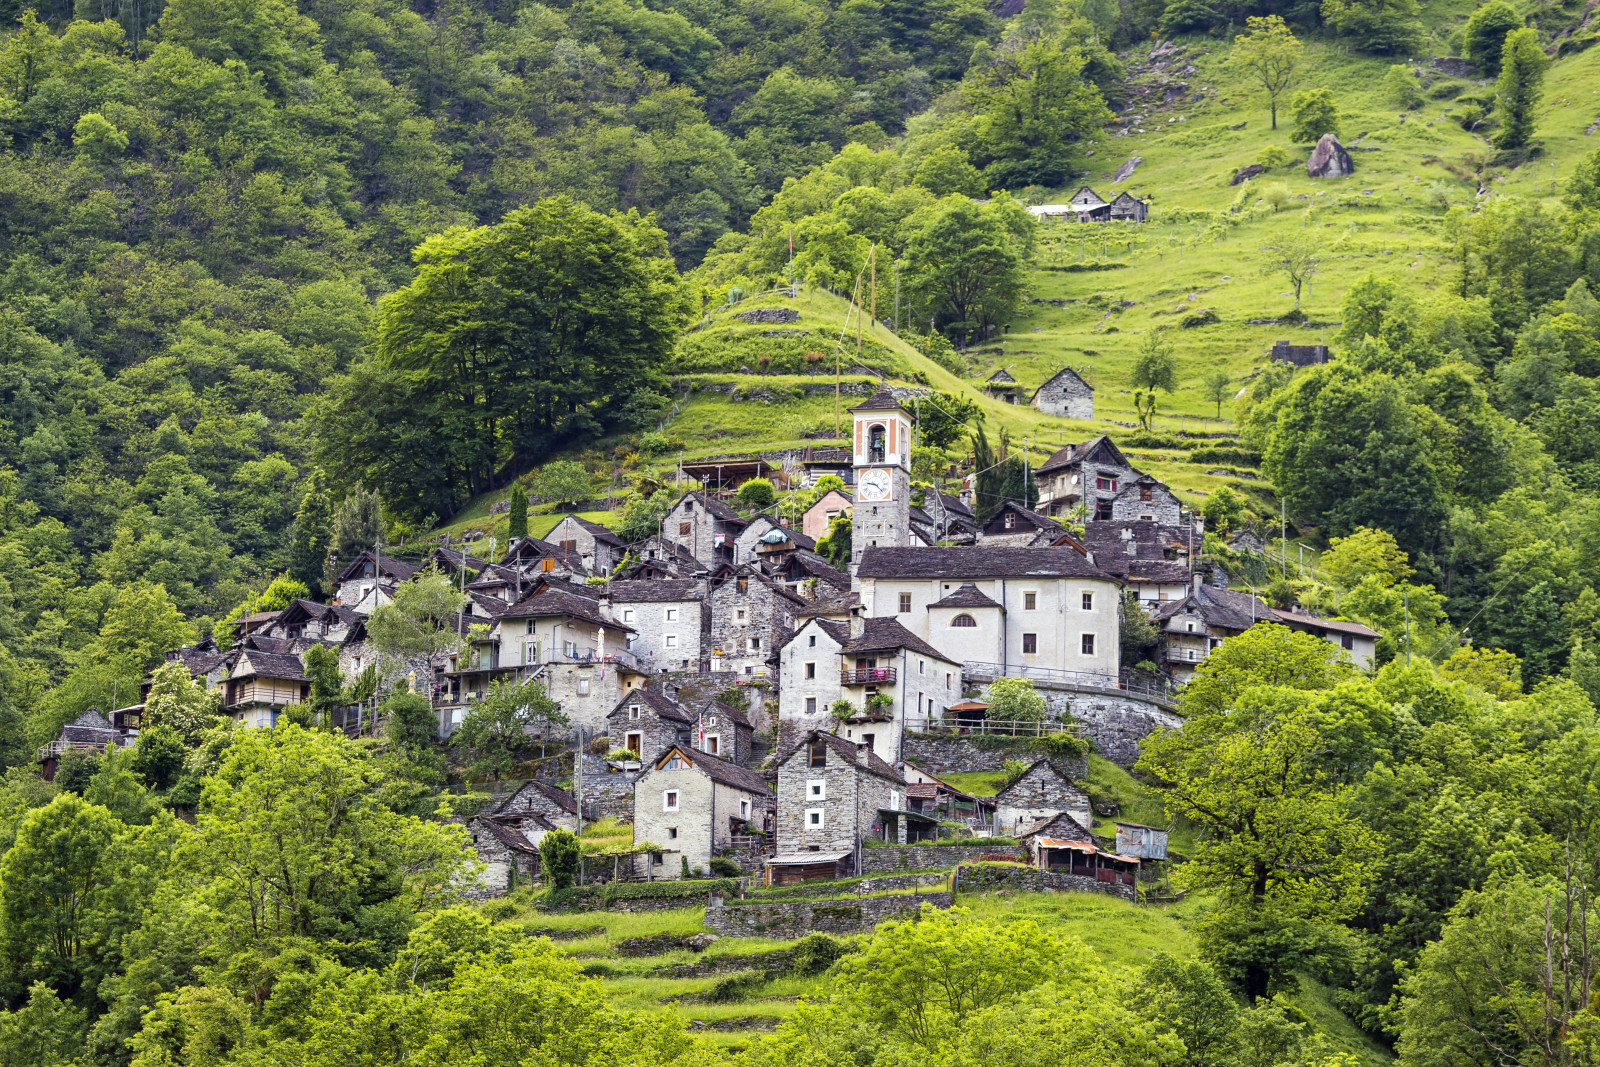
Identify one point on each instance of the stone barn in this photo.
(1065, 394)
(1041, 793)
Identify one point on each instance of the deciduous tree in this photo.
(1270, 56)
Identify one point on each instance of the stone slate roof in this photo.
(204, 661)
(270, 665)
(1222, 608)
(660, 703)
(871, 762)
(1064, 372)
(492, 606)
(714, 507)
(720, 770)
(552, 601)
(819, 568)
(966, 595)
(559, 797)
(91, 727)
(387, 566)
(1051, 767)
(1342, 626)
(1002, 376)
(978, 562)
(730, 712)
(1032, 518)
(1072, 454)
(883, 400)
(658, 591)
(796, 537)
(839, 631)
(954, 505)
(886, 635)
(600, 533)
(1060, 826)
(455, 558)
(511, 836)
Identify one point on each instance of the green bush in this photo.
(724, 867)
(815, 953)
(757, 493)
(1446, 89)
(735, 987)
(1226, 454)
(1154, 439)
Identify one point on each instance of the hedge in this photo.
(1247, 457)
(614, 892)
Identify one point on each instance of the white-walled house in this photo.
(691, 804)
(1044, 608)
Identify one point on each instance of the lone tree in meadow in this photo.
(1270, 56)
(1298, 258)
(1155, 366)
(1217, 385)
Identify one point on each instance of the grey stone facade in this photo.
(1116, 725)
(704, 526)
(1146, 500)
(607, 789)
(1041, 792)
(750, 615)
(988, 877)
(1065, 394)
(792, 919)
(832, 807)
(928, 857)
(669, 620)
(646, 723)
(945, 754)
(690, 805)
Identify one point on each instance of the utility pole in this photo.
(897, 299)
(1283, 535)
(1407, 600)
(872, 260)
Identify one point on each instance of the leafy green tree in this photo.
(1223, 510)
(159, 756)
(642, 515)
(559, 852)
(1518, 88)
(946, 171)
(97, 138)
(835, 545)
(511, 338)
(329, 692)
(517, 515)
(1268, 55)
(30, 57)
(757, 494)
(1486, 35)
(1035, 109)
(966, 263)
(561, 482)
(1217, 387)
(1403, 87)
(1155, 366)
(1140, 637)
(1016, 700)
(43, 1032)
(417, 622)
(1384, 27)
(501, 725)
(180, 702)
(1316, 112)
(1297, 258)
(116, 788)
(943, 419)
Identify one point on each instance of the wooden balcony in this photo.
(868, 676)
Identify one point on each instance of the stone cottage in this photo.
(668, 619)
(1089, 475)
(646, 722)
(691, 804)
(767, 537)
(598, 547)
(1145, 499)
(750, 614)
(504, 844)
(704, 526)
(1042, 792)
(1014, 526)
(830, 796)
(1064, 393)
(535, 799)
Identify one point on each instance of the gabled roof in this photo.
(966, 595)
(550, 601)
(1058, 826)
(767, 523)
(1091, 192)
(1125, 197)
(654, 591)
(90, 726)
(387, 566)
(816, 567)
(455, 558)
(1312, 622)
(559, 797)
(727, 711)
(954, 505)
(660, 703)
(1074, 454)
(310, 609)
(491, 606)
(714, 507)
(887, 635)
(1002, 377)
(1051, 767)
(1064, 372)
(983, 561)
(1028, 516)
(848, 751)
(253, 663)
(599, 532)
(839, 631)
(718, 770)
(1222, 608)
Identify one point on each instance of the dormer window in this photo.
(1011, 520)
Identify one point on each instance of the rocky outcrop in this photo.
(769, 315)
(1244, 174)
(1329, 159)
(1125, 171)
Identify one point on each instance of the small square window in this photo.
(817, 789)
(627, 614)
(755, 644)
(1030, 601)
(672, 833)
(669, 800)
(583, 687)
(683, 528)
(813, 642)
(672, 614)
(739, 615)
(672, 640)
(633, 712)
(1030, 644)
(1088, 602)
(744, 809)
(905, 602)
(1088, 644)
(817, 755)
(813, 818)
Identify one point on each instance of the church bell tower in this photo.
(881, 517)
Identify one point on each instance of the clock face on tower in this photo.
(874, 486)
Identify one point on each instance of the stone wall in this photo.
(938, 754)
(850, 802)
(792, 919)
(927, 857)
(767, 617)
(1017, 879)
(607, 792)
(1116, 725)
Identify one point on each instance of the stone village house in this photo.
(669, 618)
(1042, 792)
(599, 548)
(830, 796)
(646, 721)
(1066, 394)
(704, 526)
(1090, 475)
(691, 804)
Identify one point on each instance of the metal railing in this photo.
(59, 748)
(869, 676)
(1008, 728)
(975, 671)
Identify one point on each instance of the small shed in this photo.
(1127, 208)
(1299, 355)
(897, 826)
(970, 713)
(1146, 842)
(1086, 861)
(797, 867)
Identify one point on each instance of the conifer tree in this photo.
(519, 511)
(313, 535)
(1521, 84)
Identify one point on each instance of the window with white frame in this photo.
(817, 789)
(583, 687)
(669, 800)
(813, 818)
(627, 614)
(672, 640)
(744, 809)
(672, 614)
(1088, 602)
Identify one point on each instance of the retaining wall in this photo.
(791, 919)
(925, 857)
(990, 876)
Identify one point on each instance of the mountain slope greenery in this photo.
(279, 280)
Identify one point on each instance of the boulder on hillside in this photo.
(1244, 174)
(1329, 159)
(1125, 171)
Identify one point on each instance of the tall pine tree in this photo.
(1521, 84)
(519, 511)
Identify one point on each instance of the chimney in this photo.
(863, 750)
(1198, 582)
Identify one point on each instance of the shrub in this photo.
(757, 493)
(1014, 769)
(622, 755)
(735, 987)
(1276, 195)
(1468, 117)
(725, 867)
(1015, 700)
(1404, 89)
(1203, 317)
(1272, 156)
(815, 953)
(1226, 454)
(1062, 745)
(657, 444)
(559, 852)
(1486, 35)
(1316, 112)
(1153, 439)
